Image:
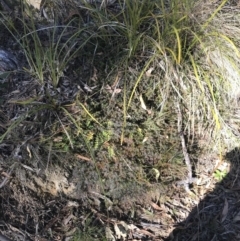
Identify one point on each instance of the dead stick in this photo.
(184, 149)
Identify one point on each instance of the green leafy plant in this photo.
(220, 175)
(89, 232)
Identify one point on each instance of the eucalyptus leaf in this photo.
(5, 74)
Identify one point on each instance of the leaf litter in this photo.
(96, 190)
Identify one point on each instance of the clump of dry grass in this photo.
(148, 61)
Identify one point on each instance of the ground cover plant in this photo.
(112, 112)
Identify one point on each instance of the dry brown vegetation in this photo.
(119, 120)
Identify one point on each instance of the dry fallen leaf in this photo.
(5, 174)
(225, 210)
(109, 234)
(67, 219)
(145, 232)
(237, 217)
(35, 3)
(157, 173)
(143, 105)
(95, 76)
(149, 72)
(156, 207)
(142, 102)
(112, 90)
(82, 157)
(121, 230)
(29, 152)
(58, 139)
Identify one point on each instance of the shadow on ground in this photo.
(217, 216)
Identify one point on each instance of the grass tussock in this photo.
(105, 84)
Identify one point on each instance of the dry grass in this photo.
(106, 86)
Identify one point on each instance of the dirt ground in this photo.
(50, 194)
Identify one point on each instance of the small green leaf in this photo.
(219, 175)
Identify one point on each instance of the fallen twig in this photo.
(189, 179)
